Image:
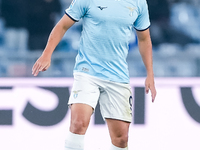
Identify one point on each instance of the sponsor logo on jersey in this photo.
(101, 7)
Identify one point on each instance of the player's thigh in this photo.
(80, 117)
(81, 111)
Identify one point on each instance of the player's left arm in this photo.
(145, 48)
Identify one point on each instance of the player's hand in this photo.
(149, 85)
(42, 64)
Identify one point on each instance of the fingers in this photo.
(152, 89)
(147, 88)
(38, 67)
(35, 69)
(45, 68)
(153, 93)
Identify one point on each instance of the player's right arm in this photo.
(44, 61)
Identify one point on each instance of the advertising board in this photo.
(34, 115)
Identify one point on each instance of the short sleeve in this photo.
(142, 22)
(77, 9)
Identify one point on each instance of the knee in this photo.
(120, 141)
(78, 126)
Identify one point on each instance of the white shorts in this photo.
(115, 99)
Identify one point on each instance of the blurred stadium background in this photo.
(26, 24)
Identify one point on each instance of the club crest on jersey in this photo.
(76, 93)
(131, 9)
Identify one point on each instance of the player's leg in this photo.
(119, 134)
(80, 118)
(116, 107)
(82, 101)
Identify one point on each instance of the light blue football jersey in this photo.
(107, 27)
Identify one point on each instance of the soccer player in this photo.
(101, 71)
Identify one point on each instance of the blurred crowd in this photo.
(164, 15)
(26, 24)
